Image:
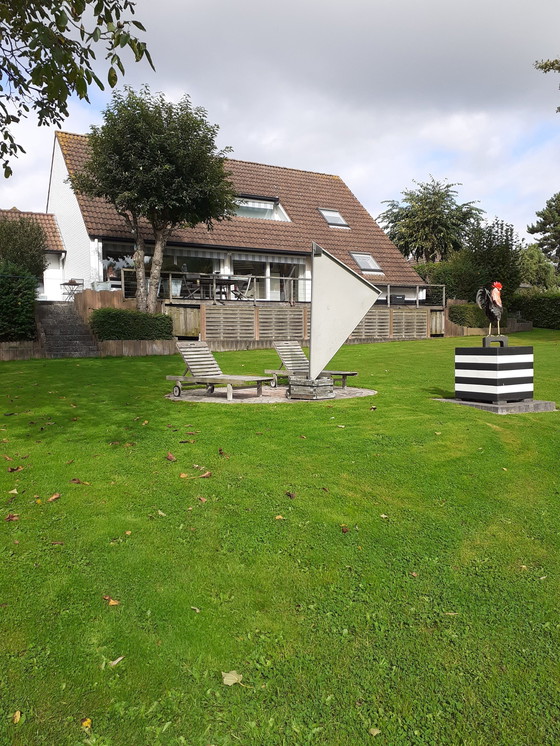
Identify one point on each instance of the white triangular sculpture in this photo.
(340, 298)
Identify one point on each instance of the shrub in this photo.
(17, 303)
(119, 323)
(543, 309)
(23, 242)
(469, 314)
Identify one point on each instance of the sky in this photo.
(381, 92)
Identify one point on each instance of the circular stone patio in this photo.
(269, 396)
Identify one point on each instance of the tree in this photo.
(429, 225)
(23, 242)
(495, 248)
(548, 225)
(47, 54)
(536, 269)
(157, 163)
(549, 66)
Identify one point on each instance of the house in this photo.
(267, 244)
(55, 253)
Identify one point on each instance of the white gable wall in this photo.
(83, 257)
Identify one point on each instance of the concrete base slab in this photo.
(269, 396)
(517, 407)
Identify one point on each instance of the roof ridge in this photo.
(16, 211)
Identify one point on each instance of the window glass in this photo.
(334, 218)
(366, 262)
(261, 209)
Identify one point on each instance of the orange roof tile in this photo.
(301, 194)
(46, 221)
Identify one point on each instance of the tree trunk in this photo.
(160, 237)
(138, 258)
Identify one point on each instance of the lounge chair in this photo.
(202, 368)
(295, 363)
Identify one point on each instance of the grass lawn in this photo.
(408, 585)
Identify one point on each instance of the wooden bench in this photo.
(202, 368)
(295, 363)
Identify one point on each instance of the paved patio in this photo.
(269, 396)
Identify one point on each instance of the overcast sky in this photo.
(380, 92)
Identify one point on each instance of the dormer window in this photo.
(262, 208)
(367, 263)
(333, 218)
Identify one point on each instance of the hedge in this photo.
(120, 323)
(470, 315)
(17, 303)
(543, 309)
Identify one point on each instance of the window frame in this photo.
(377, 270)
(323, 210)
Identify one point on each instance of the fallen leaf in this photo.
(222, 453)
(303, 437)
(291, 495)
(279, 518)
(325, 489)
(7, 457)
(341, 426)
(116, 661)
(160, 512)
(111, 601)
(15, 468)
(544, 577)
(129, 445)
(13, 492)
(54, 497)
(374, 731)
(145, 422)
(39, 501)
(170, 456)
(183, 475)
(344, 528)
(372, 409)
(451, 613)
(71, 461)
(12, 517)
(383, 515)
(86, 723)
(414, 574)
(231, 678)
(78, 481)
(203, 499)
(115, 443)
(194, 608)
(188, 441)
(128, 533)
(504, 468)
(57, 543)
(436, 433)
(205, 475)
(16, 717)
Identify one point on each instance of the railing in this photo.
(185, 286)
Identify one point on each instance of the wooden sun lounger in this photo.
(295, 363)
(202, 368)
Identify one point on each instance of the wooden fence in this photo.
(20, 350)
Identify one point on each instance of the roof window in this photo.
(333, 218)
(367, 263)
(262, 208)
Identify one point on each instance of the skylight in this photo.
(367, 263)
(333, 218)
(261, 208)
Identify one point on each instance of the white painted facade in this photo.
(83, 256)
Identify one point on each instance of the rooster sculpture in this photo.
(491, 303)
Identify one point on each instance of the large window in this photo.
(260, 208)
(367, 263)
(333, 218)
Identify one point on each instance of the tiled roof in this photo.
(46, 221)
(301, 194)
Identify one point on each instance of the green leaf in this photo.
(112, 77)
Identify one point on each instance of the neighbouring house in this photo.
(55, 252)
(262, 256)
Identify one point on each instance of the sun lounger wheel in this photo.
(274, 383)
(210, 388)
(177, 391)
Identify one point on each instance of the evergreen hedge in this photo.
(543, 309)
(17, 303)
(120, 323)
(470, 315)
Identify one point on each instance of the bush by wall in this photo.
(119, 323)
(543, 309)
(17, 303)
(469, 314)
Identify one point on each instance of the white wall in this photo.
(52, 278)
(82, 257)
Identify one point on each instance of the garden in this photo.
(382, 570)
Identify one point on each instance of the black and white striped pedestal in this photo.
(494, 374)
